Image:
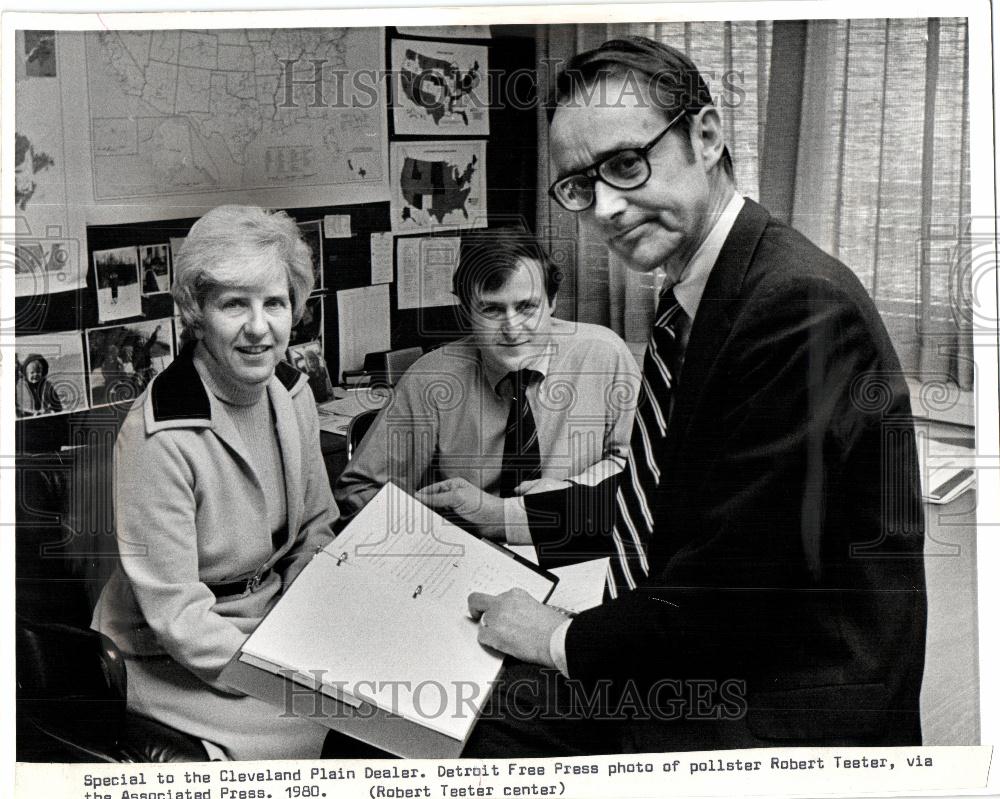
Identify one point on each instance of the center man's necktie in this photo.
(636, 495)
(521, 456)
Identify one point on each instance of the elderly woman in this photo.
(222, 495)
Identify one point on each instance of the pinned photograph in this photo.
(310, 326)
(40, 54)
(50, 374)
(308, 358)
(116, 273)
(154, 261)
(29, 165)
(46, 266)
(312, 234)
(125, 358)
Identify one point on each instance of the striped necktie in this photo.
(521, 457)
(636, 494)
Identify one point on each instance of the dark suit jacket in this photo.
(787, 553)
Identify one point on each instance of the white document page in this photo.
(432, 557)
(363, 323)
(580, 586)
(368, 638)
(381, 251)
(425, 268)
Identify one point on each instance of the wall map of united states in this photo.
(438, 86)
(436, 187)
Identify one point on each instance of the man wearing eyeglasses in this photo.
(766, 584)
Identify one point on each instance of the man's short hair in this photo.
(488, 259)
(674, 82)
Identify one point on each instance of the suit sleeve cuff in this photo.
(557, 647)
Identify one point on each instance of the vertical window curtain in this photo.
(733, 57)
(882, 176)
(855, 131)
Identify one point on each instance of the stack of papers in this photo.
(335, 415)
(947, 467)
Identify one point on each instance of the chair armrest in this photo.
(149, 741)
(71, 698)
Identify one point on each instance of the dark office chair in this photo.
(387, 367)
(71, 680)
(71, 700)
(357, 428)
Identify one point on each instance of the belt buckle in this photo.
(253, 583)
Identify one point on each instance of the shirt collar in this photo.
(691, 286)
(539, 363)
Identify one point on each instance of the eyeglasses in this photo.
(625, 169)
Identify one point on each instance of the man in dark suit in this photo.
(766, 584)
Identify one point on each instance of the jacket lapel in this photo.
(290, 444)
(224, 428)
(178, 398)
(714, 318)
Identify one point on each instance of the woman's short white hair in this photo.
(234, 246)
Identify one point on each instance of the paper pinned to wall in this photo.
(426, 267)
(362, 323)
(381, 258)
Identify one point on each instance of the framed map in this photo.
(441, 88)
(438, 185)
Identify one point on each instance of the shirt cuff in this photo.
(557, 647)
(515, 521)
(600, 471)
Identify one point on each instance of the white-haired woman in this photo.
(221, 491)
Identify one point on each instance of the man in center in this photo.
(525, 401)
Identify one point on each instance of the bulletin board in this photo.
(456, 120)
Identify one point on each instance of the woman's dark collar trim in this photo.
(178, 393)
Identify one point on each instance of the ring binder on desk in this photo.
(349, 628)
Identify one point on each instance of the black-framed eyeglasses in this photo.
(625, 169)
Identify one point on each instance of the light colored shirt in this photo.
(447, 418)
(688, 291)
